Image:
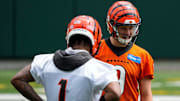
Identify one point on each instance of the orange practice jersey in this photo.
(132, 63)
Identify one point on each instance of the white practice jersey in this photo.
(82, 84)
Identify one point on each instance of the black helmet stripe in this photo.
(82, 25)
(98, 34)
(94, 27)
(126, 15)
(120, 11)
(118, 7)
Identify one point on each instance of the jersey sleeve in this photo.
(38, 65)
(148, 67)
(36, 69)
(105, 74)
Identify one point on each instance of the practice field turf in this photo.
(5, 85)
(164, 83)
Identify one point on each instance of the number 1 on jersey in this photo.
(62, 91)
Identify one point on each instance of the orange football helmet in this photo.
(122, 13)
(88, 26)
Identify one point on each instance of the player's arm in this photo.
(21, 82)
(113, 92)
(145, 89)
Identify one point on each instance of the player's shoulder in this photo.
(103, 41)
(43, 58)
(100, 64)
(138, 48)
(143, 53)
(40, 62)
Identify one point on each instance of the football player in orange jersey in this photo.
(133, 63)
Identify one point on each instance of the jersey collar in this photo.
(118, 50)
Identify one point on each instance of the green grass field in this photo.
(164, 83)
(5, 85)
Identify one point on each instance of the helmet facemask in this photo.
(122, 36)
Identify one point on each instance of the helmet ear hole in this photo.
(112, 22)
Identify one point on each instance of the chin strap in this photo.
(134, 39)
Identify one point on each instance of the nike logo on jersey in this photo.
(134, 58)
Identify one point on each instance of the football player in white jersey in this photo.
(71, 74)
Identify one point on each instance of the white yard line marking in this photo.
(166, 84)
(15, 97)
